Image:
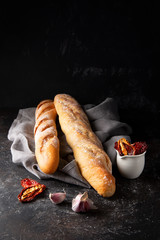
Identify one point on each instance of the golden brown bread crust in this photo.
(94, 163)
(46, 140)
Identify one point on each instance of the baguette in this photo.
(45, 135)
(94, 164)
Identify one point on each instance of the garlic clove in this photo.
(81, 203)
(57, 197)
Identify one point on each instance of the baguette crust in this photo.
(93, 162)
(45, 134)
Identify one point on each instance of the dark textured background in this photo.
(89, 50)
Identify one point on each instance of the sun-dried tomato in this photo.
(28, 182)
(31, 189)
(28, 194)
(129, 149)
(118, 148)
(140, 147)
(126, 148)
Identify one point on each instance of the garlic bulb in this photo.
(57, 197)
(82, 203)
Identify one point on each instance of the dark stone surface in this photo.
(132, 213)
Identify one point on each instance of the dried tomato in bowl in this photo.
(126, 148)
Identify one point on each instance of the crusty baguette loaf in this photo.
(93, 162)
(46, 140)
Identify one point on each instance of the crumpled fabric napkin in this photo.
(104, 121)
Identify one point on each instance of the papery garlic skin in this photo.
(57, 197)
(81, 203)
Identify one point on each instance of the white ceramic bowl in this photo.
(131, 166)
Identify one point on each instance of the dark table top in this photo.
(132, 213)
